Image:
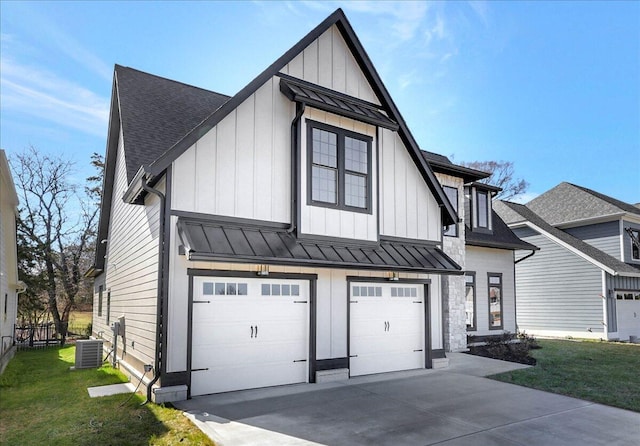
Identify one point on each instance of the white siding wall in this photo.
(331, 317)
(332, 222)
(241, 167)
(328, 62)
(8, 257)
(488, 260)
(558, 292)
(131, 268)
(407, 207)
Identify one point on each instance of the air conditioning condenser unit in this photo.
(88, 353)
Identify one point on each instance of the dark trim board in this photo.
(174, 379)
(332, 364)
(438, 353)
(312, 278)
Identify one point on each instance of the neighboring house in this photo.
(9, 285)
(487, 246)
(290, 233)
(585, 280)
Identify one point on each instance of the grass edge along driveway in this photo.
(601, 372)
(43, 402)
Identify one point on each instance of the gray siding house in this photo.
(585, 280)
(290, 233)
(485, 245)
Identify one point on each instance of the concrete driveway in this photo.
(453, 406)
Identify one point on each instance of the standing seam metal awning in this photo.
(222, 241)
(332, 101)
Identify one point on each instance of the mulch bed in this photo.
(504, 354)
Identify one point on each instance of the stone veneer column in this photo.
(453, 292)
(453, 287)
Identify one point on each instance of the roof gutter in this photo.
(160, 297)
(295, 142)
(533, 251)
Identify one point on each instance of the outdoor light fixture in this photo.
(263, 270)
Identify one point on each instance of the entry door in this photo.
(387, 327)
(248, 333)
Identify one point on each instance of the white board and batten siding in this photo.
(131, 269)
(328, 62)
(407, 207)
(484, 261)
(558, 292)
(325, 221)
(241, 167)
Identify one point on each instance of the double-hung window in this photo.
(339, 168)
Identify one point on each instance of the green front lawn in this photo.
(602, 372)
(43, 402)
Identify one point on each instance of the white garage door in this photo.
(628, 313)
(248, 333)
(387, 331)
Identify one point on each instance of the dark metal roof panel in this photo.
(215, 240)
(332, 101)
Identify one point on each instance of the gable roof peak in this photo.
(569, 203)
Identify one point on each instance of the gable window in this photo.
(495, 300)
(339, 168)
(635, 249)
(452, 195)
(470, 302)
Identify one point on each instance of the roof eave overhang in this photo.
(467, 175)
(594, 220)
(498, 245)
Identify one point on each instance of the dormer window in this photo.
(339, 168)
(482, 198)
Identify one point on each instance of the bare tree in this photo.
(57, 225)
(502, 176)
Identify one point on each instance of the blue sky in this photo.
(552, 86)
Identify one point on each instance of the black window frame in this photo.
(473, 286)
(634, 258)
(486, 209)
(500, 286)
(452, 229)
(341, 170)
(100, 292)
(108, 317)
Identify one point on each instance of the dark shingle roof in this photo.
(157, 112)
(568, 203)
(442, 164)
(510, 210)
(502, 237)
